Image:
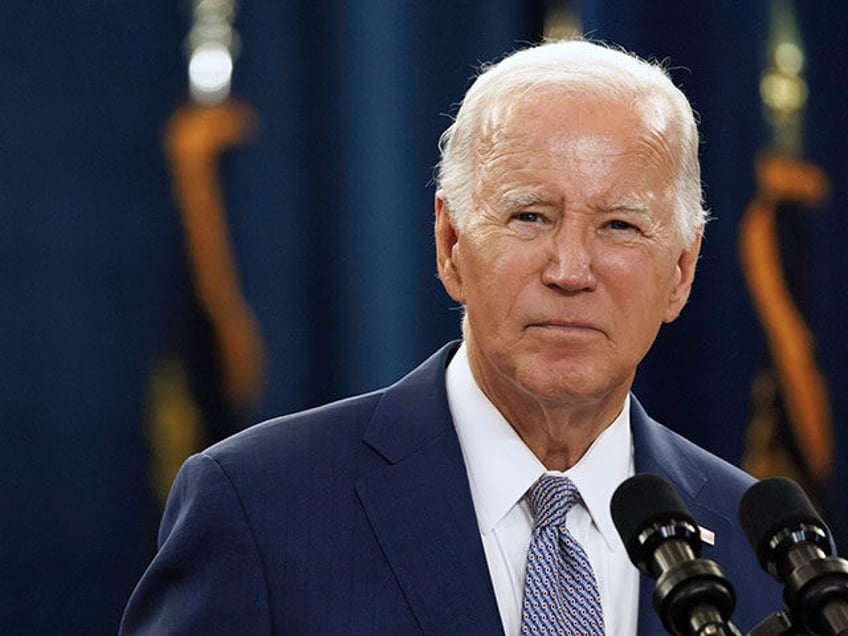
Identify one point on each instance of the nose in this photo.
(569, 263)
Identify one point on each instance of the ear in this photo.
(447, 240)
(686, 263)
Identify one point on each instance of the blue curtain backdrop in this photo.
(330, 213)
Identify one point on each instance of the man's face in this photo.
(571, 260)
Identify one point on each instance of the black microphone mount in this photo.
(794, 545)
(691, 595)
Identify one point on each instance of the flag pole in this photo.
(791, 431)
(196, 136)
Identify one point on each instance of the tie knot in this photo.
(551, 498)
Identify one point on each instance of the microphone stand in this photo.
(691, 596)
(777, 624)
(706, 621)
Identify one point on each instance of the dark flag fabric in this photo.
(791, 430)
(755, 368)
(207, 382)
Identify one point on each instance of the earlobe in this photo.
(447, 239)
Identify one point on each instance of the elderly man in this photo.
(568, 224)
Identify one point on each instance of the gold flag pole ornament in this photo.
(196, 136)
(562, 20)
(791, 430)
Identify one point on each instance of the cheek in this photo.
(498, 276)
(641, 283)
(515, 266)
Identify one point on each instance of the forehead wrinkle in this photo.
(492, 138)
(500, 141)
(658, 125)
(493, 151)
(657, 151)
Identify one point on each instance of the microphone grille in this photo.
(770, 506)
(641, 501)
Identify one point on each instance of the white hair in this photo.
(576, 68)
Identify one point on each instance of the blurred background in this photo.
(178, 264)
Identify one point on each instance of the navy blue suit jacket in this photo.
(357, 518)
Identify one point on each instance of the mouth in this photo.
(566, 326)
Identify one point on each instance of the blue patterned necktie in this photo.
(560, 591)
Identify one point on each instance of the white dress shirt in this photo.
(501, 468)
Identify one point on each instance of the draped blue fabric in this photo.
(90, 261)
(350, 110)
(330, 211)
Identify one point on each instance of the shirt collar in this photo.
(607, 463)
(501, 467)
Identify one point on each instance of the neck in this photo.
(559, 436)
(558, 430)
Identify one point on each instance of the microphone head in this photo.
(775, 514)
(644, 503)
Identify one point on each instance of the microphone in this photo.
(692, 596)
(793, 544)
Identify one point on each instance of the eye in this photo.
(528, 217)
(618, 224)
(624, 229)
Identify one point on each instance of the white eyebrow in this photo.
(516, 200)
(629, 205)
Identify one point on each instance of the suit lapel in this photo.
(655, 452)
(420, 508)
